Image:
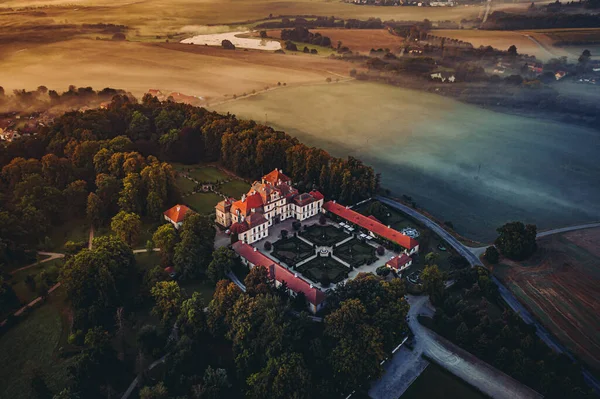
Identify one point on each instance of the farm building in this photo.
(176, 215)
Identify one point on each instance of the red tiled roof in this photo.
(279, 273)
(371, 225)
(251, 201)
(374, 218)
(238, 228)
(274, 176)
(177, 213)
(399, 261)
(255, 219)
(317, 195)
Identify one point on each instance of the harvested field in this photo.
(561, 286)
(361, 40)
(208, 72)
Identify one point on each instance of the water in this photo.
(431, 148)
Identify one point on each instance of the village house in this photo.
(375, 228)
(443, 77)
(399, 263)
(294, 282)
(269, 201)
(176, 215)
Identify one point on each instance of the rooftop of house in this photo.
(279, 273)
(371, 225)
(177, 213)
(397, 262)
(275, 177)
(225, 205)
(255, 219)
(247, 203)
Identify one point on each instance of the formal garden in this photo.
(324, 269)
(356, 253)
(292, 250)
(324, 236)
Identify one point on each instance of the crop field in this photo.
(363, 40)
(560, 284)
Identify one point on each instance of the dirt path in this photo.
(52, 256)
(567, 229)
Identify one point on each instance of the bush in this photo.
(322, 219)
(119, 36)
(284, 233)
(491, 255)
(268, 245)
(313, 51)
(291, 46)
(328, 80)
(306, 50)
(383, 271)
(227, 45)
(296, 225)
(380, 250)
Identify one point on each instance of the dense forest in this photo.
(500, 20)
(103, 161)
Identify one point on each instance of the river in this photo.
(473, 167)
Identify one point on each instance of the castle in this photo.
(269, 201)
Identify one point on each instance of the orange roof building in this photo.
(375, 227)
(271, 200)
(399, 263)
(294, 282)
(176, 215)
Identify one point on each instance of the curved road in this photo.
(405, 366)
(508, 296)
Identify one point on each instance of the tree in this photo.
(165, 238)
(322, 219)
(168, 298)
(149, 341)
(215, 385)
(512, 51)
(433, 283)
(296, 225)
(131, 197)
(267, 245)
(223, 260)
(431, 258)
(284, 234)
(192, 319)
(193, 253)
(585, 57)
(119, 36)
(139, 127)
(225, 296)
(158, 391)
(257, 281)
(380, 250)
(283, 377)
(516, 240)
(95, 210)
(127, 226)
(491, 255)
(226, 44)
(76, 196)
(39, 388)
(358, 352)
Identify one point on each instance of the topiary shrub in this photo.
(383, 271)
(296, 225)
(380, 250)
(322, 219)
(268, 245)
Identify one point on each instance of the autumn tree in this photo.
(223, 260)
(283, 377)
(433, 283)
(257, 281)
(131, 196)
(516, 240)
(127, 226)
(225, 296)
(193, 253)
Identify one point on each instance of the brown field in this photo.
(566, 36)
(363, 40)
(193, 70)
(561, 286)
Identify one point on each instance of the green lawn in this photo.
(203, 203)
(292, 250)
(208, 174)
(324, 235)
(235, 188)
(316, 269)
(73, 230)
(147, 260)
(321, 50)
(437, 383)
(23, 292)
(355, 253)
(185, 185)
(32, 344)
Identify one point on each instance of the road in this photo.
(406, 365)
(508, 296)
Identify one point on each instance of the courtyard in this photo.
(324, 235)
(356, 253)
(292, 250)
(325, 270)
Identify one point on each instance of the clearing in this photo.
(560, 285)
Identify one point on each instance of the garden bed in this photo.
(292, 250)
(323, 269)
(324, 236)
(356, 253)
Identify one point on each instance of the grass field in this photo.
(185, 185)
(32, 345)
(23, 292)
(75, 230)
(560, 284)
(355, 252)
(147, 260)
(316, 269)
(203, 203)
(235, 188)
(437, 383)
(208, 174)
